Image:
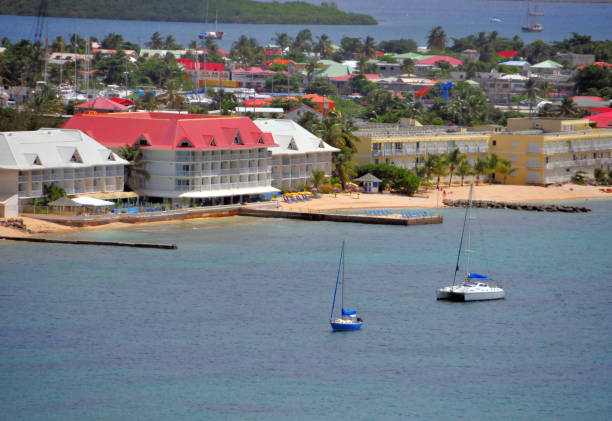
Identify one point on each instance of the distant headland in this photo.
(226, 11)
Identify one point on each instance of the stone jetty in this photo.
(517, 206)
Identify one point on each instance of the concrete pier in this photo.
(322, 216)
(91, 243)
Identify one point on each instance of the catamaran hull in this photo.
(443, 294)
(476, 296)
(346, 326)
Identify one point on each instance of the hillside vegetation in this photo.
(229, 11)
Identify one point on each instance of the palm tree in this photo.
(323, 46)
(136, 169)
(53, 192)
(568, 108)
(452, 159)
(344, 165)
(369, 47)
(156, 42)
(492, 162)
(112, 41)
(303, 41)
(440, 170)
(311, 67)
(437, 38)
(600, 175)
(531, 89)
(463, 169)
(283, 40)
(317, 178)
(504, 168)
(480, 168)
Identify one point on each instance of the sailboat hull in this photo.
(477, 296)
(345, 326)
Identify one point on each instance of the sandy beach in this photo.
(433, 198)
(430, 199)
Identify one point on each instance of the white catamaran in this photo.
(475, 287)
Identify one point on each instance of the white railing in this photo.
(36, 177)
(23, 178)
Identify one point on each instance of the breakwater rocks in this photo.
(517, 206)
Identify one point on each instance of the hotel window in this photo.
(494, 143)
(515, 144)
(398, 146)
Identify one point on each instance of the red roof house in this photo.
(101, 104)
(171, 131)
(433, 60)
(603, 120)
(507, 54)
(324, 105)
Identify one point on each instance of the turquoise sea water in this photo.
(234, 325)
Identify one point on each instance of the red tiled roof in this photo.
(279, 61)
(422, 92)
(600, 110)
(253, 70)
(191, 65)
(603, 120)
(101, 103)
(507, 54)
(344, 78)
(123, 101)
(256, 102)
(591, 97)
(167, 130)
(318, 99)
(433, 60)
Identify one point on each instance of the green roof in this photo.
(547, 64)
(412, 56)
(472, 82)
(332, 69)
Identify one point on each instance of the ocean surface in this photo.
(234, 324)
(397, 19)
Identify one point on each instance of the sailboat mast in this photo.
(461, 240)
(469, 241)
(337, 279)
(342, 275)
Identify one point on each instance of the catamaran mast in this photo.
(340, 267)
(342, 275)
(467, 209)
(469, 241)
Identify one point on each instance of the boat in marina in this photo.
(532, 27)
(348, 319)
(475, 286)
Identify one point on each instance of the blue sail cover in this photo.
(348, 313)
(477, 275)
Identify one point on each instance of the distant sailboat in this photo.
(348, 319)
(495, 19)
(531, 27)
(475, 287)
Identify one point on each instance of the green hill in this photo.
(229, 11)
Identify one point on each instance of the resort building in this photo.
(69, 159)
(199, 158)
(297, 155)
(407, 147)
(547, 150)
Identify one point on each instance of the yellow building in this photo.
(409, 146)
(550, 150)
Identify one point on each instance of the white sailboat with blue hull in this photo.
(475, 286)
(348, 319)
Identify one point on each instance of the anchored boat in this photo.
(348, 319)
(475, 287)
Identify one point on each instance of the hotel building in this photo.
(297, 155)
(204, 159)
(548, 150)
(407, 147)
(69, 159)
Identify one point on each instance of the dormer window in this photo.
(292, 146)
(212, 142)
(185, 143)
(142, 141)
(36, 161)
(260, 141)
(321, 145)
(111, 156)
(237, 140)
(76, 157)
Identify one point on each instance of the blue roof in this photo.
(515, 63)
